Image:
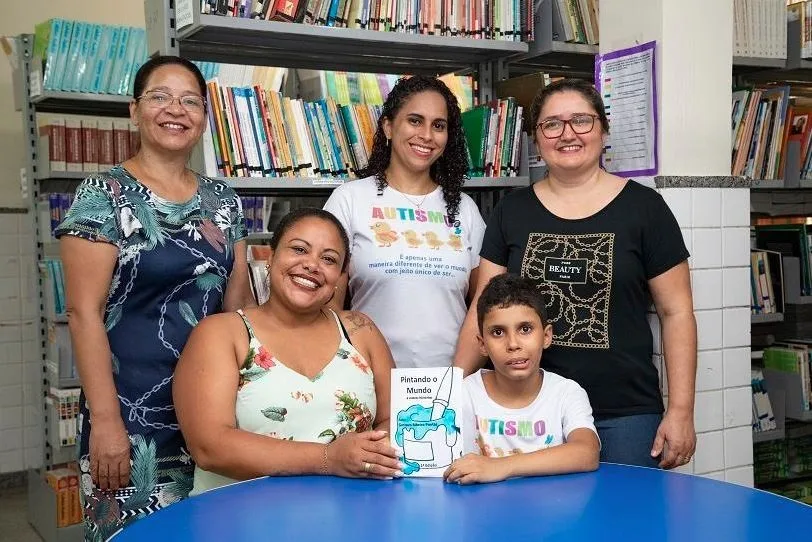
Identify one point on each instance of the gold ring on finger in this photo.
(367, 467)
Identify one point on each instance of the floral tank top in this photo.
(277, 401)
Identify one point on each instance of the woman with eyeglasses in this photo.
(149, 248)
(601, 249)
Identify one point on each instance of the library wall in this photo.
(20, 365)
(694, 167)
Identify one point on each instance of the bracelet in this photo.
(324, 468)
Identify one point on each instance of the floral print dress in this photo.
(174, 260)
(277, 401)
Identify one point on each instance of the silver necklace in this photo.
(410, 200)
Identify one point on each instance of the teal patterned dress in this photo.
(174, 260)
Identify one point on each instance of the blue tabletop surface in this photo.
(614, 503)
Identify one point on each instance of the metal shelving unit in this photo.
(766, 318)
(311, 184)
(549, 54)
(41, 499)
(79, 103)
(256, 42)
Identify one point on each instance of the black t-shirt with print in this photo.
(593, 273)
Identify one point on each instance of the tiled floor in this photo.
(14, 526)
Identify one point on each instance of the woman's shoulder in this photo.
(355, 321)
(112, 181)
(641, 192)
(357, 186)
(218, 326)
(520, 196)
(219, 187)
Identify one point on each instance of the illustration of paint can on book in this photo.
(426, 418)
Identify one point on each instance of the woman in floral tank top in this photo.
(290, 387)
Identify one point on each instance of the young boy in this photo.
(520, 420)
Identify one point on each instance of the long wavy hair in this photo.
(450, 170)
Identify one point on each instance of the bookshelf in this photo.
(40, 180)
(547, 53)
(215, 38)
(289, 45)
(311, 184)
(79, 103)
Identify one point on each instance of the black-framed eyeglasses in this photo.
(157, 99)
(580, 124)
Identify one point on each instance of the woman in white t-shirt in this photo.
(415, 237)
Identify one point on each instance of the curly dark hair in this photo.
(450, 170)
(582, 87)
(508, 290)
(295, 216)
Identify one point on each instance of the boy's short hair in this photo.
(507, 290)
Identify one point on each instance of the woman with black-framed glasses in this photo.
(601, 248)
(149, 248)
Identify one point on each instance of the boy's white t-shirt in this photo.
(490, 429)
(409, 268)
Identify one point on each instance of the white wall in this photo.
(20, 367)
(694, 74)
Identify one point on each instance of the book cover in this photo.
(426, 419)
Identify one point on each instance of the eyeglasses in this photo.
(580, 124)
(156, 99)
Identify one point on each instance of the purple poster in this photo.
(626, 80)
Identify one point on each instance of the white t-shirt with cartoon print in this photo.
(409, 267)
(490, 429)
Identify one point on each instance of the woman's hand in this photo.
(363, 455)
(675, 442)
(109, 454)
(475, 468)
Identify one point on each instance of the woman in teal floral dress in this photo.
(149, 249)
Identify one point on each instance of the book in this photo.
(426, 419)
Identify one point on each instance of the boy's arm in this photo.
(579, 454)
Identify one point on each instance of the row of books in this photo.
(53, 288)
(792, 356)
(760, 131)
(51, 211)
(239, 75)
(86, 57)
(763, 415)
(257, 211)
(258, 133)
(510, 20)
(789, 236)
(760, 28)
(65, 405)
(493, 132)
(84, 144)
(765, 282)
(782, 459)
(368, 88)
(64, 482)
(258, 256)
(576, 21)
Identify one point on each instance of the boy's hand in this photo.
(474, 468)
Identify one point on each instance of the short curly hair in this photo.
(451, 169)
(508, 290)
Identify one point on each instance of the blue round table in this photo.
(614, 503)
